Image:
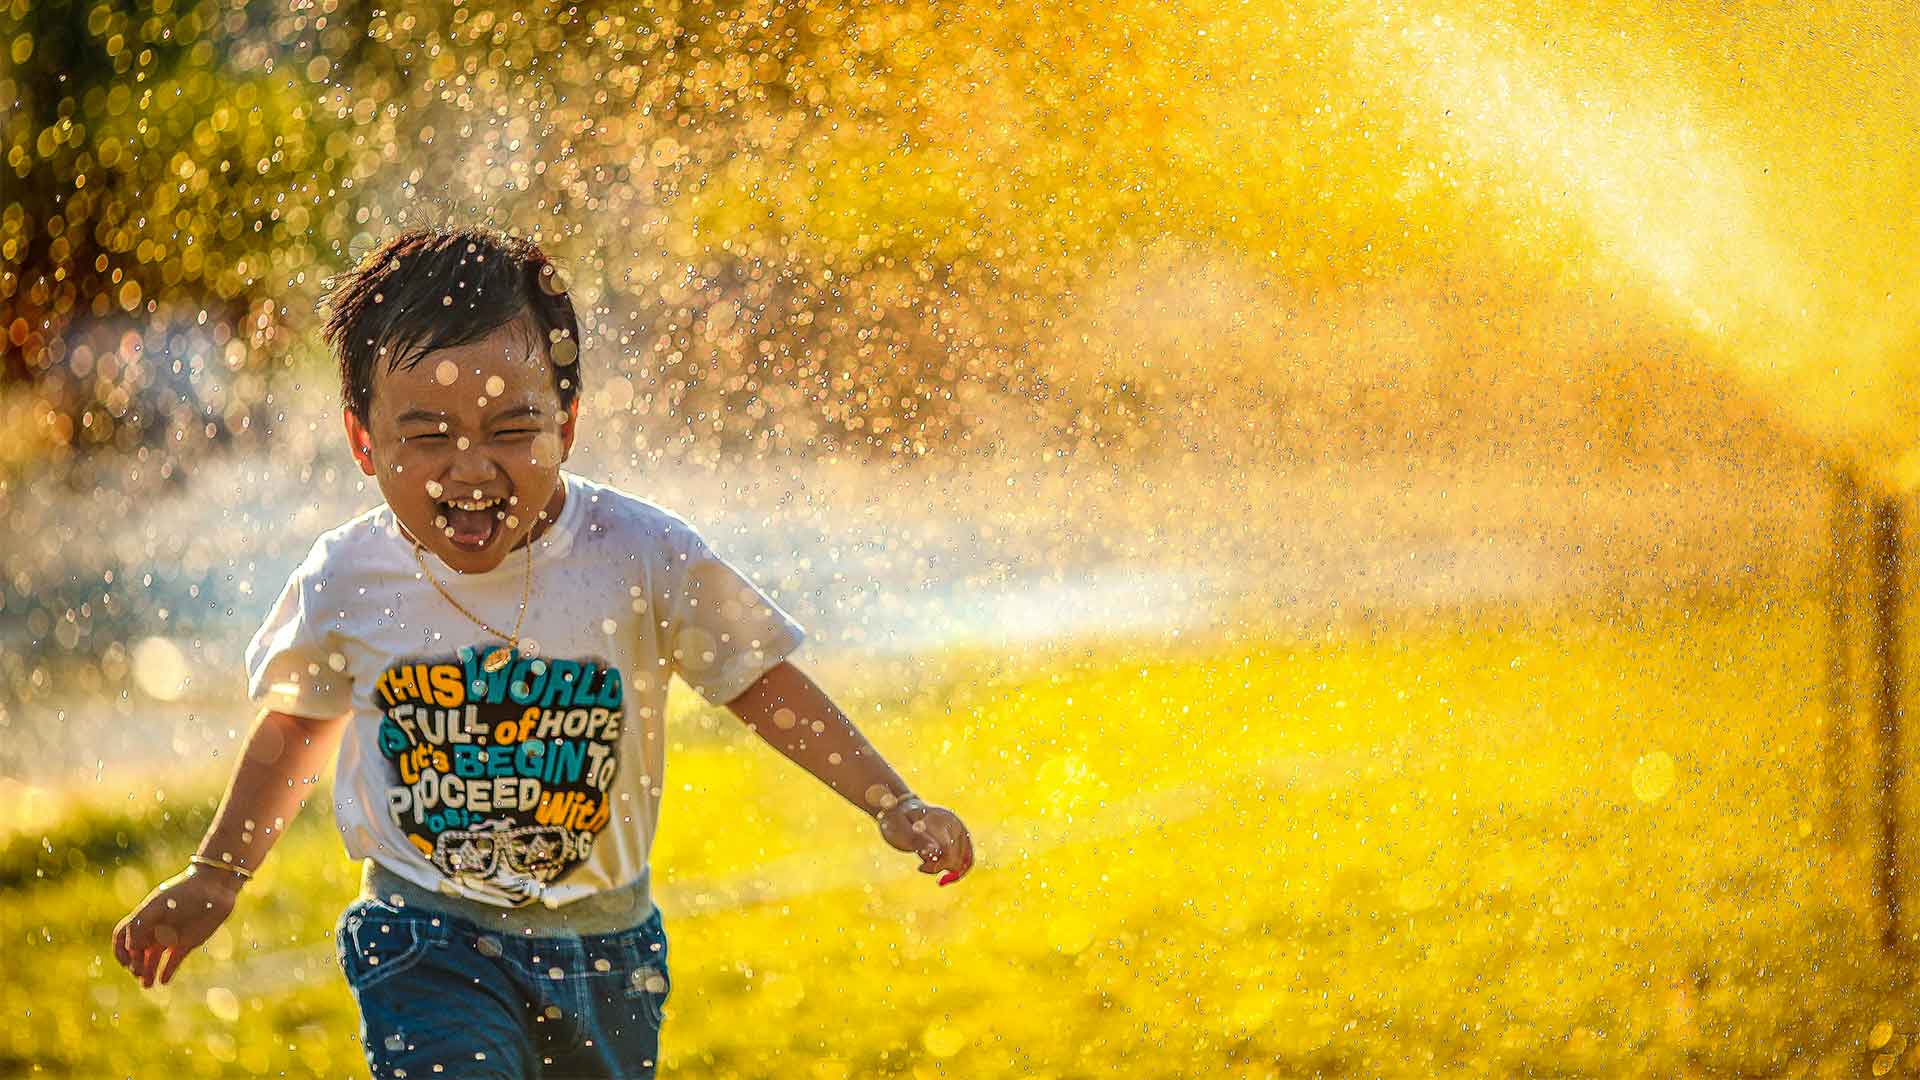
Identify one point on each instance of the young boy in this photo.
(491, 649)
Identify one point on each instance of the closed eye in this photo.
(521, 431)
(417, 438)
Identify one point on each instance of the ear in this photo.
(359, 441)
(566, 429)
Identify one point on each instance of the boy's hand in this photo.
(175, 918)
(931, 832)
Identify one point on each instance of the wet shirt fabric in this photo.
(539, 782)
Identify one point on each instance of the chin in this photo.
(470, 562)
(467, 560)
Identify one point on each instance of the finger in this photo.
(951, 835)
(954, 864)
(174, 957)
(156, 955)
(965, 861)
(960, 851)
(120, 945)
(148, 956)
(133, 945)
(134, 942)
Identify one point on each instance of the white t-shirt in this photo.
(541, 780)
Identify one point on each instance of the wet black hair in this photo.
(436, 287)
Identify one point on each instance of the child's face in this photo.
(477, 424)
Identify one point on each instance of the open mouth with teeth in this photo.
(471, 524)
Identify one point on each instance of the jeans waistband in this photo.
(606, 912)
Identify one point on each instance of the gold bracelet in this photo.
(245, 874)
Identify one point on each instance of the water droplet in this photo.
(1653, 776)
(942, 1040)
(223, 1003)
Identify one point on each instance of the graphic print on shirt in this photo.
(502, 775)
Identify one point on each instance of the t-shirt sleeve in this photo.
(718, 631)
(294, 664)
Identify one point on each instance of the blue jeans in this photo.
(438, 989)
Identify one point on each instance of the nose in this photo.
(471, 468)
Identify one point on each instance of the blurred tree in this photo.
(814, 224)
(159, 168)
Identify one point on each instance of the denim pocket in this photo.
(648, 982)
(646, 977)
(376, 941)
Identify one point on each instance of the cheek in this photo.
(417, 465)
(545, 448)
(406, 476)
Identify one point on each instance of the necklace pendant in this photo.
(496, 659)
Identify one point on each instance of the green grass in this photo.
(1424, 850)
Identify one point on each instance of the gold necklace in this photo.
(497, 657)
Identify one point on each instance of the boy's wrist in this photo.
(909, 799)
(230, 875)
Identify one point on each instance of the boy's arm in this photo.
(266, 791)
(795, 717)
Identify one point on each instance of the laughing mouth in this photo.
(471, 523)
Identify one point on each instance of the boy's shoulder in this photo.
(350, 544)
(609, 510)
